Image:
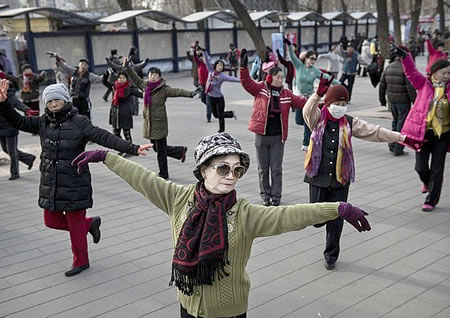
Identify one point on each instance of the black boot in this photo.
(95, 229)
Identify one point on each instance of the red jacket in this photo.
(202, 71)
(261, 92)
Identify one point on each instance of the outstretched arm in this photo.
(248, 83)
(370, 132)
(65, 68)
(416, 79)
(295, 60)
(179, 92)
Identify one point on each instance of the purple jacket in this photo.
(415, 124)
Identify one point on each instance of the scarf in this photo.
(27, 79)
(63, 114)
(202, 247)
(438, 114)
(345, 166)
(148, 92)
(212, 78)
(275, 99)
(119, 92)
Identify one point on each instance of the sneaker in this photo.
(427, 208)
(183, 154)
(304, 148)
(234, 115)
(424, 189)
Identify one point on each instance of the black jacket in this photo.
(122, 116)
(394, 81)
(63, 137)
(6, 129)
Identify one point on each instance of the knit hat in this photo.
(84, 60)
(55, 91)
(217, 145)
(2, 75)
(336, 93)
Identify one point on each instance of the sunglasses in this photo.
(223, 170)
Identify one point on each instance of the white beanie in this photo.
(55, 91)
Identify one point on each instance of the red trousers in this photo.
(78, 226)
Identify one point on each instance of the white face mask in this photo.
(337, 111)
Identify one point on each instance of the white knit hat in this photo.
(55, 91)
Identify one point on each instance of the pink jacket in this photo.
(415, 124)
(261, 92)
(434, 55)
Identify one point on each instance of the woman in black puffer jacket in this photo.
(63, 193)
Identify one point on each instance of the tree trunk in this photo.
(127, 5)
(284, 5)
(415, 14)
(198, 7)
(319, 6)
(249, 26)
(397, 25)
(344, 6)
(383, 28)
(441, 11)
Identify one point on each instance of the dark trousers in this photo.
(218, 110)
(9, 146)
(126, 133)
(78, 226)
(432, 176)
(205, 100)
(269, 155)
(82, 104)
(185, 314)
(351, 80)
(163, 150)
(333, 227)
(399, 112)
(108, 90)
(300, 121)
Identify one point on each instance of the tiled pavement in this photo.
(399, 269)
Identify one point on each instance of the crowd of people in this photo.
(212, 229)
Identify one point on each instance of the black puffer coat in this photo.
(122, 116)
(397, 86)
(6, 129)
(63, 137)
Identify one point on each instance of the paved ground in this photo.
(399, 269)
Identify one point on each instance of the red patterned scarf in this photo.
(119, 92)
(202, 247)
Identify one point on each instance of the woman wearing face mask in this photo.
(121, 113)
(214, 95)
(212, 230)
(64, 194)
(329, 162)
(269, 121)
(305, 75)
(156, 91)
(429, 121)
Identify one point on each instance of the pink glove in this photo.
(82, 160)
(324, 84)
(354, 216)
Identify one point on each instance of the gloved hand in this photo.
(127, 61)
(278, 52)
(107, 60)
(286, 41)
(147, 60)
(415, 144)
(200, 48)
(354, 215)
(244, 58)
(82, 160)
(396, 51)
(29, 112)
(53, 54)
(324, 84)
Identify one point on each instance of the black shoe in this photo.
(267, 202)
(275, 202)
(329, 265)
(183, 154)
(14, 177)
(105, 98)
(76, 270)
(400, 153)
(30, 166)
(164, 177)
(95, 229)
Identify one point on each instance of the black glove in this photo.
(244, 58)
(127, 62)
(396, 51)
(147, 60)
(286, 41)
(200, 48)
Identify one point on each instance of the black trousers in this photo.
(399, 113)
(9, 146)
(432, 176)
(333, 227)
(217, 105)
(351, 80)
(185, 314)
(82, 104)
(163, 150)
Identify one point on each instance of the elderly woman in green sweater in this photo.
(212, 230)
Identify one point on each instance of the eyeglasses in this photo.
(223, 170)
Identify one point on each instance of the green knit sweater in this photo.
(229, 296)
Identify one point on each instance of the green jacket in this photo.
(246, 221)
(155, 117)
